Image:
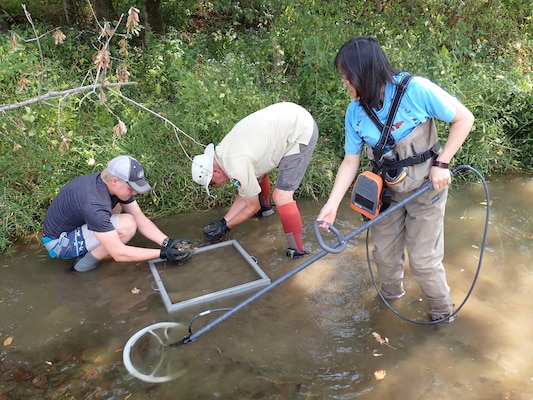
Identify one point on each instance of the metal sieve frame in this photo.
(262, 281)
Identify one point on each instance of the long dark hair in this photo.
(362, 61)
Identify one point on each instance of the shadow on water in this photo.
(62, 333)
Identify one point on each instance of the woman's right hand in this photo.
(327, 214)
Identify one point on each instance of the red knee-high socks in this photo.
(264, 195)
(292, 225)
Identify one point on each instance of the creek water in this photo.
(312, 337)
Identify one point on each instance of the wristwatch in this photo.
(165, 242)
(440, 164)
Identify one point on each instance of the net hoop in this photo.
(152, 377)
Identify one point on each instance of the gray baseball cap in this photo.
(129, 170)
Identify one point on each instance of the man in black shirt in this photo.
(84, 221)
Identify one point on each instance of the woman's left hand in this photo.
(440, 177)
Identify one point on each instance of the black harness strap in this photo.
(413, 160)
(385, 137)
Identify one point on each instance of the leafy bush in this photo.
(193, 85)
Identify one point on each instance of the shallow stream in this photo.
(312, 337)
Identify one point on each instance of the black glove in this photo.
(179, 243)
(177, 250)
(214, 230)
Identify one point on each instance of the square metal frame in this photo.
(262, 281)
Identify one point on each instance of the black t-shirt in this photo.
(84, 200)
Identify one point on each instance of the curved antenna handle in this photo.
(340, 245)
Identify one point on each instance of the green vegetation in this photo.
(219, 62)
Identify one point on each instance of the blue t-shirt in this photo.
(84, 200)
(422, 99)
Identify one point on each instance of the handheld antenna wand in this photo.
(163, 331)
(336, 248)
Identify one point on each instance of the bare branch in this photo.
(102, 63)
(63, 94)
(28, 17)
(177, 130)
(94, 15)
(35, 39)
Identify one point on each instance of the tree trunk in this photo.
(72, 11)
(4, 26)
(103, 9)
(153, 14)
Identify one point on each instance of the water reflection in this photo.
(309, 338)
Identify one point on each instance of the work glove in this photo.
(214, 230)
(179, 243)
(178, 249)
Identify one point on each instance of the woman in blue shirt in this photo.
(418, 226)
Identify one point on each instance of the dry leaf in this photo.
(123, 74)
(13, 41)
(119, 130)
(102, 59)
(107, 30)
(8, 341)
(133, 20)
(136, 291)
(380, 374)
(16, 147)
(378, 337)
(123, 47)
(48, 362)
(380, 340)
(22, 83)
(19, 123)
(64, 146)
(59, 36)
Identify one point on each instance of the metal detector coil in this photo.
(366, 194)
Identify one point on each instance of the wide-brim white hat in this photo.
(202, 167)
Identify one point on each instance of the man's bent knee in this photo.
(282, 197)
(126, 227)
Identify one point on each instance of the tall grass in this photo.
(243, 56)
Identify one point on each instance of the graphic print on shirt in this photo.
(236, 183)
(397, 125)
